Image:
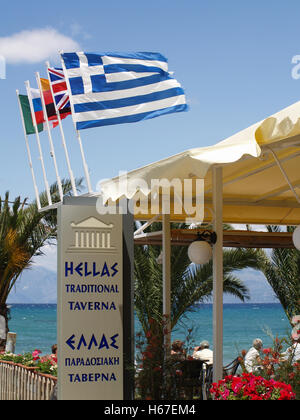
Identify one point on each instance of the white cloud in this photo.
(78, 30)
(36, 45)
(48, 260)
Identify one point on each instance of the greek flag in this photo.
(116, 88)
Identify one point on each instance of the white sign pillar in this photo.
(95, 304)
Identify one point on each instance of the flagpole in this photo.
(52, 151)
(62, 136)
(85, 166)
(27, 84)
(29, 155)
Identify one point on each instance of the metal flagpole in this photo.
(27, 84)
(29, 155)
(85, 166)
(52, 152)
(62, 136)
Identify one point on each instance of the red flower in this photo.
(53, 360)
(147, 355)
(251, 387)
(35, 354)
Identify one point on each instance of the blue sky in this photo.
(234, 60)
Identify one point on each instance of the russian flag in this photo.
(37, 106)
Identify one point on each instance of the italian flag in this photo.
(27, 116)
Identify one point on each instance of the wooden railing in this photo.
(18, 382)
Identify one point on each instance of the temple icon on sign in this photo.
(92, 234)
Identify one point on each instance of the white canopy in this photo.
(251, 177)
(260, 173)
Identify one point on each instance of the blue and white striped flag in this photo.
(116, 88)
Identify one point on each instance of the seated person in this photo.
(54, 350)
(177, 350)
(203, 353)
(292, 354)
(252, 358)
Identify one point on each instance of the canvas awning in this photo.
(252, 177)
(261, 174)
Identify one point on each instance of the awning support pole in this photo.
(166, 248)
(147, 224)
(217, 175)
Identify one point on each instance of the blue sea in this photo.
(35, 325)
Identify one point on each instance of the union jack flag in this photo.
(60, 91)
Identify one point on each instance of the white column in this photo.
(217, 175)
(11, 340)
(166, 247)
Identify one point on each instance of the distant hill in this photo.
(260, 290)
(39, 285)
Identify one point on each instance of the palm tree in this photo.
(189, 283)
(23, 232)
(282, 271)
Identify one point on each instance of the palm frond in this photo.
(190, 284)
(282, 271)
(23, 232)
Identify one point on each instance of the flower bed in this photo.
(251, 387)
(279, 365)
(42, 364)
